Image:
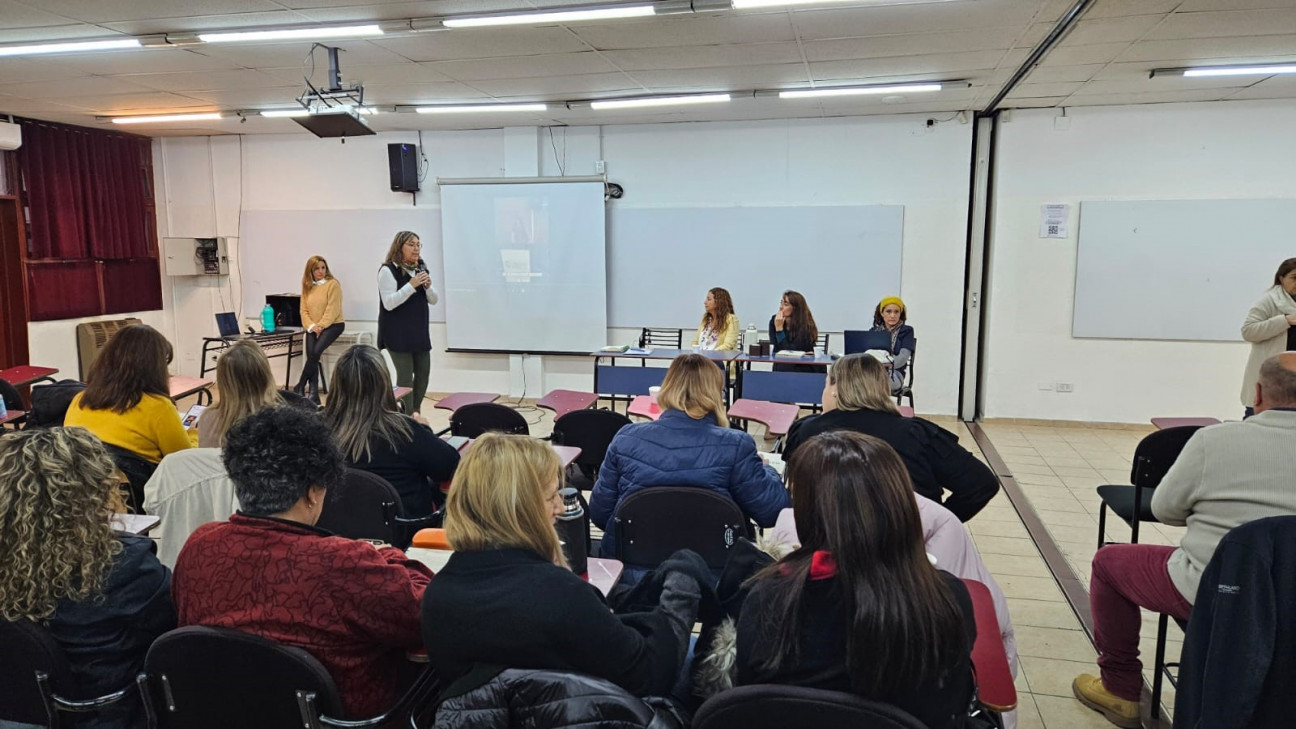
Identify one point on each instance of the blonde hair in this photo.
(56, 488)
(308, 278)
(499, 497)
(861, 383)
(694, 385)
(246, 385)
(394, 254)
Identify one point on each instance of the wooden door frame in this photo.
(13, 279)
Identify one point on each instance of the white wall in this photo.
(1153, 152)
(867, 160)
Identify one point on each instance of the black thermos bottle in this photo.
(571, 531)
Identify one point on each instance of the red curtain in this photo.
(131, 286)
(63, 290)
(86, 192)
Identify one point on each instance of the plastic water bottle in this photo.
(571, 532)
(4, 409)
(268, 318)
(752, 337)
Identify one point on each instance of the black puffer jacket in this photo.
(493, 699)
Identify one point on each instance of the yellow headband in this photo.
(891, 300)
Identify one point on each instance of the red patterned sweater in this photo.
(353, 607)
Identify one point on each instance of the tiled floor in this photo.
(1058, 469)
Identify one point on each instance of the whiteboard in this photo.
(1176, 269)
(274, 246)
(662, 261)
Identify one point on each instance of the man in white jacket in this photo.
(1227, 475)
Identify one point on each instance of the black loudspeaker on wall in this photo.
(402, 159)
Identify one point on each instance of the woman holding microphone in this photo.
(1270, 327)
(405, 291)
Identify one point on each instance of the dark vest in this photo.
(405, 328)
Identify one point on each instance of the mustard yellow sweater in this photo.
(151, 429)
(322, 305)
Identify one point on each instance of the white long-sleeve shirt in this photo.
(393, 296)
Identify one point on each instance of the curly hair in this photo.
(275, 455)
(56, 490)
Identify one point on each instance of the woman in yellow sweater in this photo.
(719, 328)
(127, 400)
(321, 315)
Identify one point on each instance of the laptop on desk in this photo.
(227, 323)
(862, 341)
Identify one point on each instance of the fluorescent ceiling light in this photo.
(659, 101)
(278, 113)
(555, 16)
(858, 91)
(165, 118)
(1241, 70)
(479, 108)
(99, 45)
(315, 33)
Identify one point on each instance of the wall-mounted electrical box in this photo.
(195, 256)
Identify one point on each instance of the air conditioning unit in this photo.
(10, 136)
(92, 336)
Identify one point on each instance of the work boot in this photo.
(1092, 693)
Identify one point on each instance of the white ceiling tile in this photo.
(21, 15)
(195, 23)
(98, 11)
(921, 18)
(1188, 6)
(1111, 30)
(434, 7)
(684, 30)
(250, 98)
(1027, 91)
(1168, 97)
(1244, 49)
(911, 45)
(949, 63)
(24, 70)
(649, 59)
(388, 73)
(81, 86)
(560, 87)
(1043, 102)
(283, 55)
(1068, 55)
(155, 102)
(1160, 85)
(1278, 87)
(45, 34)
(204, 80)
(1119, 8)
(144, 60)
(561, 64)
(1228, 23)
(15, 105)
(386, 94)
(1061, 74)
(735, 78)
(483, 43)
(1035, 34)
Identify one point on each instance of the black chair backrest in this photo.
(822, 342)
(654, 522)
(137, 470)
(590, 430)
(50, 403)
(1157, 452)
(362, 507)
(12, 398)
(661, 337)
(216, 678)
(473, 420)
(25, 649)
(769, 706)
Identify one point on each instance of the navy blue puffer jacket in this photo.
(677, 450)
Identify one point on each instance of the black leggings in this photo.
(316, 344)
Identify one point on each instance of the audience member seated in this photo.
(375, 437)
(127, 400)
(856, 397)
(246, 385)
(691, 444)
(189, 488)
(719, 329)
(268, 571)
(890, 316)
(858, 607)
(103, 596)
(506, 598)
(1226, 476)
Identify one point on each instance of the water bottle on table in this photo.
(268, 318)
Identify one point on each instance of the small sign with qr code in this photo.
(1053, 220)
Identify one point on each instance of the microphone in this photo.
(421, 268)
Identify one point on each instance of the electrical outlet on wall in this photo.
(1065, 387)
(1046, 386)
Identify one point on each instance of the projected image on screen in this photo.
(524, 266)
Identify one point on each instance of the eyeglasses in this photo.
(413, 244)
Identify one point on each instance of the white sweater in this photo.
(1266, 329)
(1228, 474)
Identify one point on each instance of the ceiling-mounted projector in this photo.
(333, 110)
